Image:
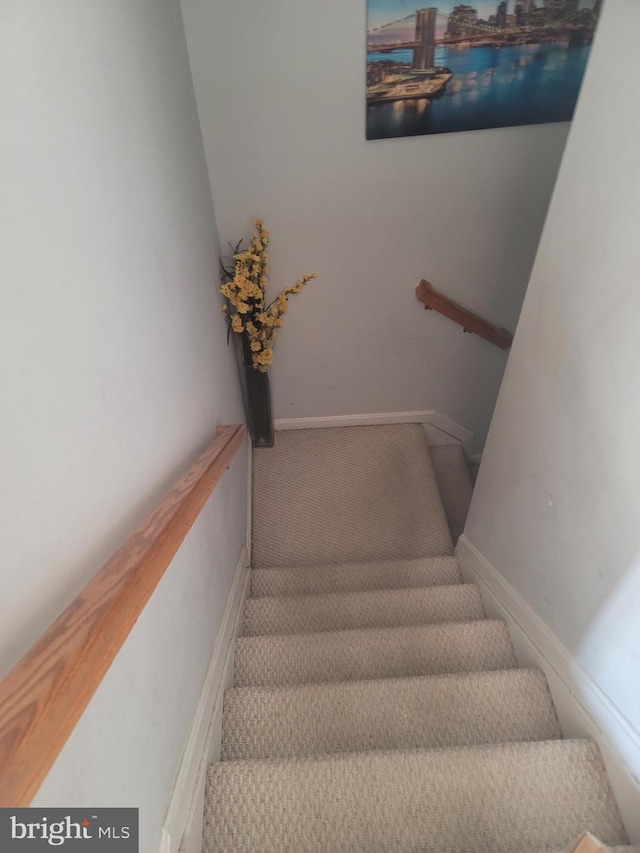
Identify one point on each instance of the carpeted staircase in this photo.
(374, 706)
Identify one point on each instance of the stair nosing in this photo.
(439, 675)
(427, 625)
(563, 743)
(436, 588)
(381, 562)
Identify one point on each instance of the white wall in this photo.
(555, 508)
(114, 368)
(281, 93)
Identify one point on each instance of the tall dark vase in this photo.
(256, 395)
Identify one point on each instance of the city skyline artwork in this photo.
(473, 66)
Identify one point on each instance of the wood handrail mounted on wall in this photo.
(42, 698)
(430, 297)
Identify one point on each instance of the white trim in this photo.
(182, 827)
(249, 503)
(583, 708)
(440, 428)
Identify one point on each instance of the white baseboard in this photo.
(182, 828)
(249, 501)
(583, 708)
(440, 429)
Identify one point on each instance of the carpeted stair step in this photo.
(346, 494)
(372, 609)
(501, 798)
(454, 484)
(358, 655)
(402, 713)
(356, 577)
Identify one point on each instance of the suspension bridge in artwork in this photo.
(576, 27)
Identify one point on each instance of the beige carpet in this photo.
(373, 653)
(348, 494)
(374, 708)
(355, 577)
(398, 713)
(380, 608)
(482, 799)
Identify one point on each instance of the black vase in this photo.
(256, 395)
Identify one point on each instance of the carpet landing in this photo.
(347, 494)
(374, 707)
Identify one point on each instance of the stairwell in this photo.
(374, 706)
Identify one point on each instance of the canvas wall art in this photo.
(490, 63)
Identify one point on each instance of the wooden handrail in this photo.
(470, 322)
(43, 696)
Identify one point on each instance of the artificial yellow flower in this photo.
(245, 292)
(263, 359)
